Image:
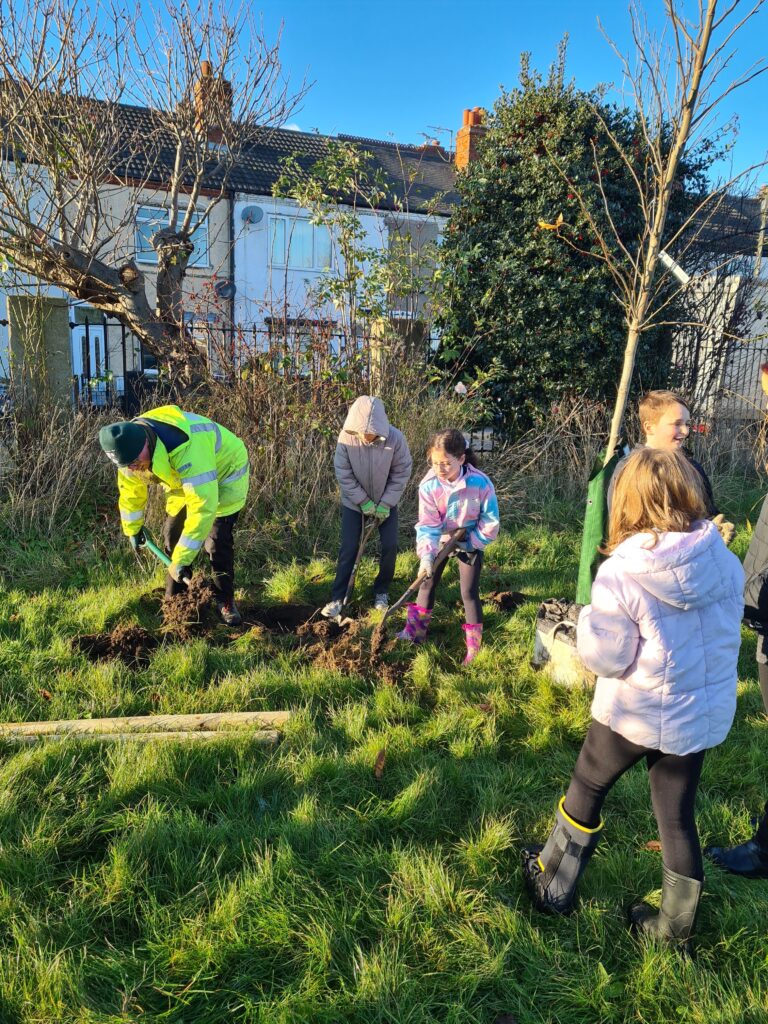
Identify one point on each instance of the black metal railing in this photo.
(117, 371)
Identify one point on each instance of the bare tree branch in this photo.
(103, 114)
(673, 90)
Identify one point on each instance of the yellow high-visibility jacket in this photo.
(208, 473)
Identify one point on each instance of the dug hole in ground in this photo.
(341, 646)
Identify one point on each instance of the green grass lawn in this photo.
(220, 882)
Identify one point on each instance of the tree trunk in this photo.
(640, 308)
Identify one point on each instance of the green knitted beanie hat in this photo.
(122, 442)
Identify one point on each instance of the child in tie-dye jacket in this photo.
(454, 493)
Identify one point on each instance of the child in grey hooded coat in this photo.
(373, 465)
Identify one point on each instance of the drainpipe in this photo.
(231, 200)
(763, 194)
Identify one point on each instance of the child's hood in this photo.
(685, 570)
(367, 416)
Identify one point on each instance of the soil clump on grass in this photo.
(348, 652)
(508, 600)
(325, 629)
(130, 644)
(190, 613)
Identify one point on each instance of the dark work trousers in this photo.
(220, 547)
(604, 758)
(351, 529)
(469, 583)
(762, 663)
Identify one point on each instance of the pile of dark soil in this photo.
(350, 653)
(190, 613)
(130, 644)
(329, 644)
(377, 643)
(508, 600)
(325, 630)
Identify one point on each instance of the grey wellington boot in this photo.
(677, 915)
(552, 872)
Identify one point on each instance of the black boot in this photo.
(749, 859)
(675, 919)
(552, 872)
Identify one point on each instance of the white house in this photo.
(280, 255)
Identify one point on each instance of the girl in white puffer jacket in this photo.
(662, 633)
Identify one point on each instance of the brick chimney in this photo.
(213, 100)
(469, 136)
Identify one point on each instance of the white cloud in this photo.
(292, 127)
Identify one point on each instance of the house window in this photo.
(150, 219)
(147, 361)
(299, 244)
(199, 232)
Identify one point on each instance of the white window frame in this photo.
(159, 215)
(288, 224)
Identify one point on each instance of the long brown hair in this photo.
(656, 491)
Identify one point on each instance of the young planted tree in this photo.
(675, 91)
(102, 114)
(533, 318)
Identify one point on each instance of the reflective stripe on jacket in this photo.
(208, 474)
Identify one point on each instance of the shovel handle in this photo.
(159, 554)
(365, 537)
(456, 537)
(156, 551)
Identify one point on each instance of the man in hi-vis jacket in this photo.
(203, 468)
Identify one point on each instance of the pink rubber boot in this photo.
(416, 624)
(473, 635)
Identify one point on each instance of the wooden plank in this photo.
(150, 723)
(261, 737)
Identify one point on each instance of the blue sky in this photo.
(392, 70)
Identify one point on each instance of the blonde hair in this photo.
(656, 491)
(652, 405)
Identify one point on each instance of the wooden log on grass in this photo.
(261, 737)
(140, 726)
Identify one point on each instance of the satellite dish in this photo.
(226, 289)
(252, 214)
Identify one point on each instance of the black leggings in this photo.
(469, 583)
(604, 758)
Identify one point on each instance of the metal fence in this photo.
(110, 367)
(113, 369)
(740, 394)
